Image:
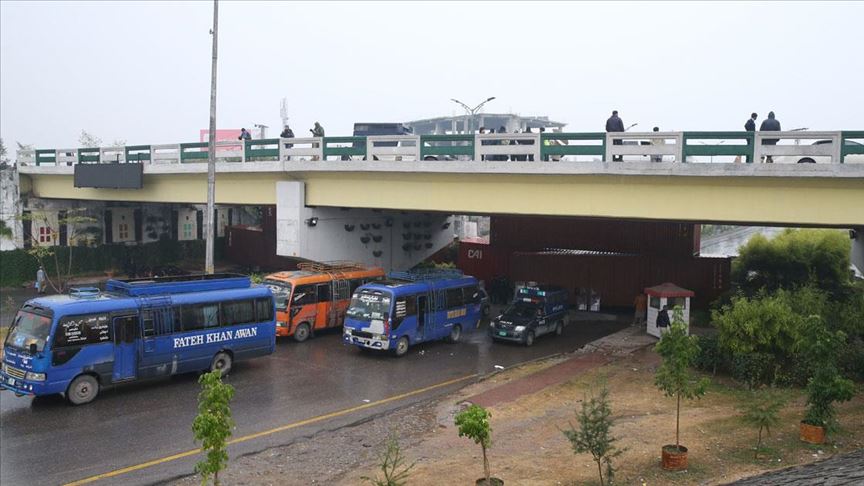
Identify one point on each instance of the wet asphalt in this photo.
(46, 441)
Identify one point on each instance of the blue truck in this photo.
(535, 311)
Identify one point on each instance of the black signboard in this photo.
(110, 176)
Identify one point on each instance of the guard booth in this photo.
(666, 294)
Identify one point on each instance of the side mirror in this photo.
(33, 349)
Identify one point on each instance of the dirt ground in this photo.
(529, 448)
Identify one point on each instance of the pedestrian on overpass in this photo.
(244, 135)
(615, 124)
(750, 126)
(657, 142)
(287, 133)
(317, 131)
(771, 124)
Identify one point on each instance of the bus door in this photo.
(324, 305)
(341, 300)
(125, 348)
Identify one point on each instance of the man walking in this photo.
(41, 281)
(615, 124)
(771, 124)
(640, 303)
(750, 126)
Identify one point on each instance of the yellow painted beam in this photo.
(231, 188)
(779, 200)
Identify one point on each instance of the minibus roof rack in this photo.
(178, 284)
(331, 266)
(84, 292)
(427, 274)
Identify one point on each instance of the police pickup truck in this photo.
(534, 312)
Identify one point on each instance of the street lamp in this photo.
(472, 111)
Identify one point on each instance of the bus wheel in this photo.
(455, 333)
(83, 389)
(529, 338)
(559, 329)
(401, 347)
(301, 333)
(222, 362)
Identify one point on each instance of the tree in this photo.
(5, 231)
(74, 221)
(594, 435)
(473, 422)
(826, 385)
(674, 377)
(212, 427)
(392, 464)
(4, 159)
(793, 259)
(762, 409)
(88, 140)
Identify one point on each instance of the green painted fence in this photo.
(848, 147)
(138, 153)
(734, 149)
(429, 145)
(357, 147)
(549, 147)
(265, 148)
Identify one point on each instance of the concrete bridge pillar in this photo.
(857, 255)
(394, 240)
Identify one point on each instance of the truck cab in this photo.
(534, 312)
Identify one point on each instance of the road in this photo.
(46, 441)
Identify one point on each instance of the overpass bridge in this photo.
(672, 176)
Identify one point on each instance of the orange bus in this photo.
(316, 295)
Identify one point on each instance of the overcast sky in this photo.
(141, 71)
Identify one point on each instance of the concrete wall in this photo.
(405, 238)
(10, 209)
(858, 249)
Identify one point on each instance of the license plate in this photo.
(502, 333)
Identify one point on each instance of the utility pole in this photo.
(211, 150)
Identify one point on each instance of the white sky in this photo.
(141, 71)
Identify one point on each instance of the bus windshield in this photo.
(281, 291)
(366, 306)
(29, 328)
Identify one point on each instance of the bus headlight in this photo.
(519, 328)
(34, 376)
(4, 368)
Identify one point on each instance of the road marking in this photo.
(282, 428)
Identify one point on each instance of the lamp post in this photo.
(211, 150)
(471, 111)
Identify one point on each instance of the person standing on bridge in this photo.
(750, 126)
(657, 142)
(287, 133)
(615, 124)
(317, 131)
(244, 135)
(771, 124)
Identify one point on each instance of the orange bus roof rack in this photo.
(336, 266)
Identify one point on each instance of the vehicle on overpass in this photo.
(136, 329)
(316, 296)
(808, 159)
(413, 307)
(535, 311)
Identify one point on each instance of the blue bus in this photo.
(136, 329)
(412, 307)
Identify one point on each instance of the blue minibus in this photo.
(412, 307)
(136, 329)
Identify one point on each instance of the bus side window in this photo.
(324, 292)
(238, 312)
(200, 316)
(304, 294)
(148, 324)
(263, 310)
(83, 330)
(472, 294)
(405, 307)
(454, 298)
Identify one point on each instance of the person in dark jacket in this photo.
(287, 133)
(770, 124)
(244, 135)
(663, 317)
(615, 124)
(750, 125)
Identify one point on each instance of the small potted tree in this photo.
(473, 422)
(675, 379)
(825, 386)
(594, 435)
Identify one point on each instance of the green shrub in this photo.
(711, 356)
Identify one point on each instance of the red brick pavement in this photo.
(535, 382)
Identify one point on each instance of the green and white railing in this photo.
(799, 146)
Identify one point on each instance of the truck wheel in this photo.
(302, 332)
(455, 334)
(559, 329)
(222, 362)
(83, 389)
(401, 347)
(529, 339)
